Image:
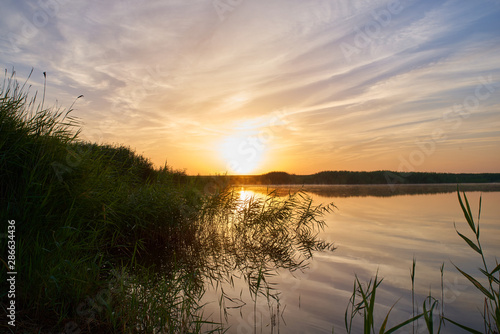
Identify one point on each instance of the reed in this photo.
(490, 291)
(365, 307)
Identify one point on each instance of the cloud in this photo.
(171, 76)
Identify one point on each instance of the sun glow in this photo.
(242, 153)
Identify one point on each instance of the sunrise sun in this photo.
(242, 153)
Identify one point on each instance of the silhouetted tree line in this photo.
(376, 177)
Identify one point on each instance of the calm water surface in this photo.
(372, 234)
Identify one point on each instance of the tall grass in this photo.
(81, 209)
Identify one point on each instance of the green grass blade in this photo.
(477, 284)
(468, 329)
(468, 206)
(404, 323)
(466, 211)
(490, 276)
(497, 268)
(366, 304)
(479, 216)
(429, 321)
(477, 231)
(353, 311)
(384, 324)
(371, 304)
(469, 242)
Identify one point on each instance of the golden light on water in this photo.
(246, 195)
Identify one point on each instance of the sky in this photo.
(253, 86)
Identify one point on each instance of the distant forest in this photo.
(377, 177)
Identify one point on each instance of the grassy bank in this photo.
(80, 209)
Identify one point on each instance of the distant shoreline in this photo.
(377, 190)
(388, 178)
